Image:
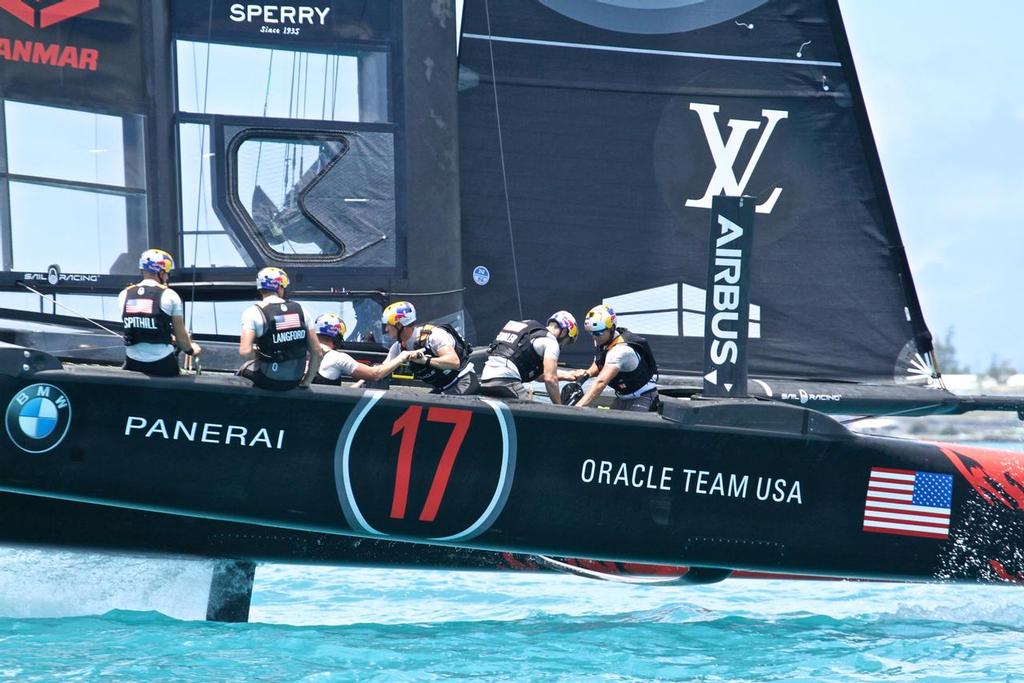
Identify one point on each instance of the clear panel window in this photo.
(361, 316)
(261, 82)
(274, 176)
(65, 144)
(205, 242)
(88, 305)
(81, 231)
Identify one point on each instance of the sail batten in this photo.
(643, 51)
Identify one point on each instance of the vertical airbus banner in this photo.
(727, 309)
(83, 52)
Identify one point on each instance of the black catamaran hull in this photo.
(737, 485)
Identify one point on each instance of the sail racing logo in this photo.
(42, 14)
(725, 153)
(38, 418)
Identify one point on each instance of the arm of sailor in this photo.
(594, 389)
(445, 358)
(247, 340)
(170, 303)
(550, 376)
(247, 345)
(549, 350)
(375, 373)
(577, 375)
(182, 338)
(315, 355)
(442, 347)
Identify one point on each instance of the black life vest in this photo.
(143, 319)
(515, 342)
(438, 377)
(628, 382)
(283, 346)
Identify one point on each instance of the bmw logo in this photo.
(38, 418)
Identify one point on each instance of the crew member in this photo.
(278, 342)
(338, 365)
(525, 350)
(441, 357)
(154, 319)
(623, 361)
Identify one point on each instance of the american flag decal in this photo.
(908, 503)
(288, 321)
(139, 306)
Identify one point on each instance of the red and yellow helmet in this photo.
(399, 313)
(270, 278)
(156, 261)
(567, 322)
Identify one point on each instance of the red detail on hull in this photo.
(997, 476)
(1001, 572)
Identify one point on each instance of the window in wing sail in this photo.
(205, 241)
(74, 190)
(236, 80)
(273, 178)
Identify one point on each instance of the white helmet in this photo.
(599, 319)
(567, 322)
(399, 313)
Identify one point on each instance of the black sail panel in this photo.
(591, 180)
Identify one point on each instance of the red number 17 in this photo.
(408, 424)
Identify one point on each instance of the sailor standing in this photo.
(277, 339)
(154, 319)
(525, 350)
(441, 357)
(623, 361)
(338, 365)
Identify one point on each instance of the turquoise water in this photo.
(85, 617)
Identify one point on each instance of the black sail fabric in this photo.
(591, 180)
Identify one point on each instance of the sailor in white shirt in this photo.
(154, 319)
(623, 361)
(338, 365)
(524, 351)
(441, 357)
(277, 339)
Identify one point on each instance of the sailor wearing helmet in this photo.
(440, 356)
(525, 350)
(277, 339)
(623, 361)
(338, 365)
(154, 319)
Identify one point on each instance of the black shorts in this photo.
(165, 367)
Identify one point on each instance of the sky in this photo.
(943, 83)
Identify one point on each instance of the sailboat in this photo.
(572, 153)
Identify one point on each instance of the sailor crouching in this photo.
(525, 350)
(154, 319)
(277, 340)
(338, 365)
(441, 356)
(623, 361)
